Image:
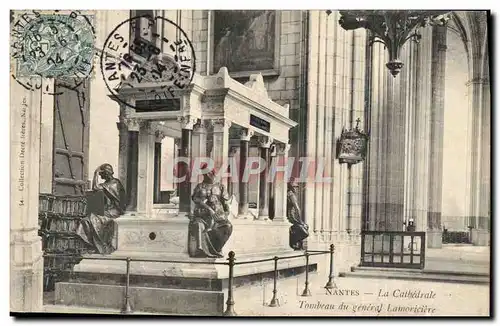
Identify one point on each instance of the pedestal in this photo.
(183, 287)
(434, 238)
(480, 237)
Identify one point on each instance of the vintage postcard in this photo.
(250, 162)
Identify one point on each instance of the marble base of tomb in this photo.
(136, 234)
(434, 238)
(184, 287)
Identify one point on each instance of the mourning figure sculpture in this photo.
(97, 230)
(299, 230)
(209, 228)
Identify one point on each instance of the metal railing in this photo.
(456, 236)
(397, 249)
(231, 263)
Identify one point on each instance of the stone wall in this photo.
(322, 73)
(103, 134)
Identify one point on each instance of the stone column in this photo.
(245, 136)
(484, 191)
(420, 131)
(123, 149)
(231, 189)
(159, 135)
(478, 164)
(220, 151)
(264, 144)
(434, 233)
(185, 152)
(145, 168)
(26, 261)
(132, 162)
(280, 183)
(199, 150)
(386, 157)
(270, 185)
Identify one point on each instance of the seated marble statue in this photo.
(299, 230)
(209, 228)
(96, 230)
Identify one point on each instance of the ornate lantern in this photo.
(391, 28)
(352, 145)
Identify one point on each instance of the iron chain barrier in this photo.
(231, 263)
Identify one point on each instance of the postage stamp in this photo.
(52, 45)
(149, 58)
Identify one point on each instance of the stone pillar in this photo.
(279, 187)
(145, 168)
(220, 151)
(270, 185)
(185, 152)
(231, 188)
(26, 261)
(479, 161)
(199, 150)
(264, 145)
(386, 157)
(123, 149)
(245, 136)
(132, 162)
(438, 65)
(177, 146)
(420, 97)
(484, 191)
(159, 135)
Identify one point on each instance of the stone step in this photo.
(63, 309)
(417, 275)
(418, 271)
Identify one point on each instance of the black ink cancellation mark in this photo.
(147, 58)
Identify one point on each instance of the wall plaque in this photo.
(260, 123)
(157, 105)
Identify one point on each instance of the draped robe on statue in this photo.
(209, 233)
(299, 230)
(98, 230)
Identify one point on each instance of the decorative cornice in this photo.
(159, 134)
(265, 141)
(215, 95)
(133, 124)
(200, 126)
(122, 126)
(220, 123)
(187, 122)
(246, 134)
(282, 149)
(264, 109)
(233, 150)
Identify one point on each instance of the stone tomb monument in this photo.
(231, 117)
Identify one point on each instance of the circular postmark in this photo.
(148, 56)
(51, 45)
